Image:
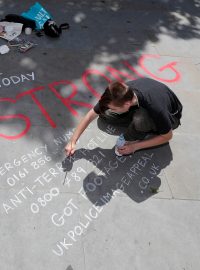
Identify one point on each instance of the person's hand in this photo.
(70, 148)
(127, 149)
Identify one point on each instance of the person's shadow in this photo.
(136, 175)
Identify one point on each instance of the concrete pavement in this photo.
(97, 211)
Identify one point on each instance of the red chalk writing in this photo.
(71, 100)
(170, 66)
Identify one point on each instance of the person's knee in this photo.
(142, 121)
(139, 120)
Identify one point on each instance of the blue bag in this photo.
(38, 14)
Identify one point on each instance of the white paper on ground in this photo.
(10, 30)
(4, 49)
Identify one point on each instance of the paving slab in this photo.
(31, 239)
(166, 239)
(185, 184)
(178, 47)
(189, 121)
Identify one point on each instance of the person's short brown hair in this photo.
(117, 93)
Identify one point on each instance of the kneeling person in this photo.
(144, 106)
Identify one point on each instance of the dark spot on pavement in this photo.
(69, 268)
(84, 26)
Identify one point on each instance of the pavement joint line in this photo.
(82, 236)
(186, 134)
(156, 49)
(74, 193)
(168, 199)
(42, 190)
(176, 199)
(165, 175)
(190, 90)
(177, 56)
(82, 239)
(82, 244)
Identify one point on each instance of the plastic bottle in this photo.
(119, 143)
(28, 30)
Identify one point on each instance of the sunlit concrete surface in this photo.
(95, 210)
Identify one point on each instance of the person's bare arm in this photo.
(87, 119)
(157, 140)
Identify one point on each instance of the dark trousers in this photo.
(138, 123)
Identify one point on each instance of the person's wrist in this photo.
(73, 141)
(135, 147)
